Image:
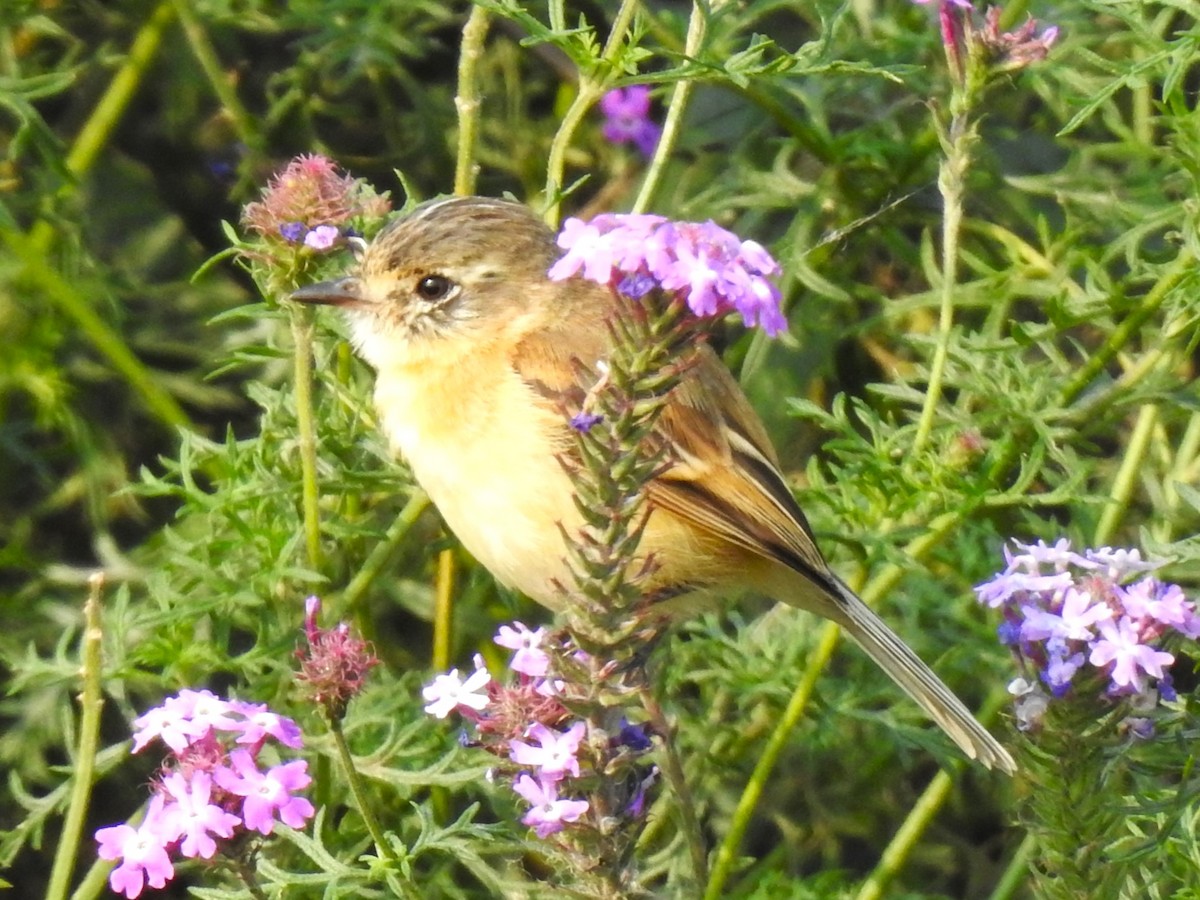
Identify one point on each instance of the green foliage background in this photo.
(148, 428)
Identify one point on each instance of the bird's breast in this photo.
(485, 450)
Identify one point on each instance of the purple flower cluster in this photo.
(1064, 611)
(627, 118)
(212, 787)
(969, 41)
(526, 724)
(714, 271)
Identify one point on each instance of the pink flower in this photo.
(450, 691)
(267, 793)
(528, 660)
(195, 816)
(549, 814)
(322, 237)
(183, 719)
(142, 851)
(555, 757)
(309, 195)
(714, 271)
(1120, 646)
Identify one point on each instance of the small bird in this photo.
(473, 348)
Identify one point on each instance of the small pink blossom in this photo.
(267, 793)
(529, 659)
(549, 814)
(555, 757)
(196, 817)
(142, 851)
(1120, 646)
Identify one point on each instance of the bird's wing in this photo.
(723, 476)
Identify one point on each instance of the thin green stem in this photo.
(898, 850)
(1182, 266)
(673, 769)
(1016, 871)
(884, 581)
(102, 123)
(382, 848)
(302, 363)
(244, 124)
(78, 308)
(728, 851)
(91, 702)
(466, 101)
(591, 88)
(951, 177)
(443, 610)
(680, 95)
(382, 552)
(1127, 475)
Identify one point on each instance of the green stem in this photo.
(443, 610)
(1016, 871)
(897, 851)
(680, 95)
(71, 302)
(1182, 266)
(591, 89)
(748, 802)
(673, 769)
(951, 176)
(1127, 475)
(91, 702)
(244, 124)
(103, 121)
(885, 580)
(302, 359)
(382, 552)
(382, 848)
(466, 102)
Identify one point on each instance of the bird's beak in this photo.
(342, 292)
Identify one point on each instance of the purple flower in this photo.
(1120, 646)
(528, 660)
(709, 267)
(267, 793)
(322, 237)
(196, 816)
(583, 422)
(293, 232)
(549, 814)
(142, 851)
(627, 118)
(450, 691)
(555, 757)
(1003, 587)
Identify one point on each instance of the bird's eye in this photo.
(434, 287)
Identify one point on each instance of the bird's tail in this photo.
(906, 669)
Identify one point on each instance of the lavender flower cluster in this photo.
(627, 118)
(526, 723)
(212, 787)
(1065, 611)
(711, 268)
